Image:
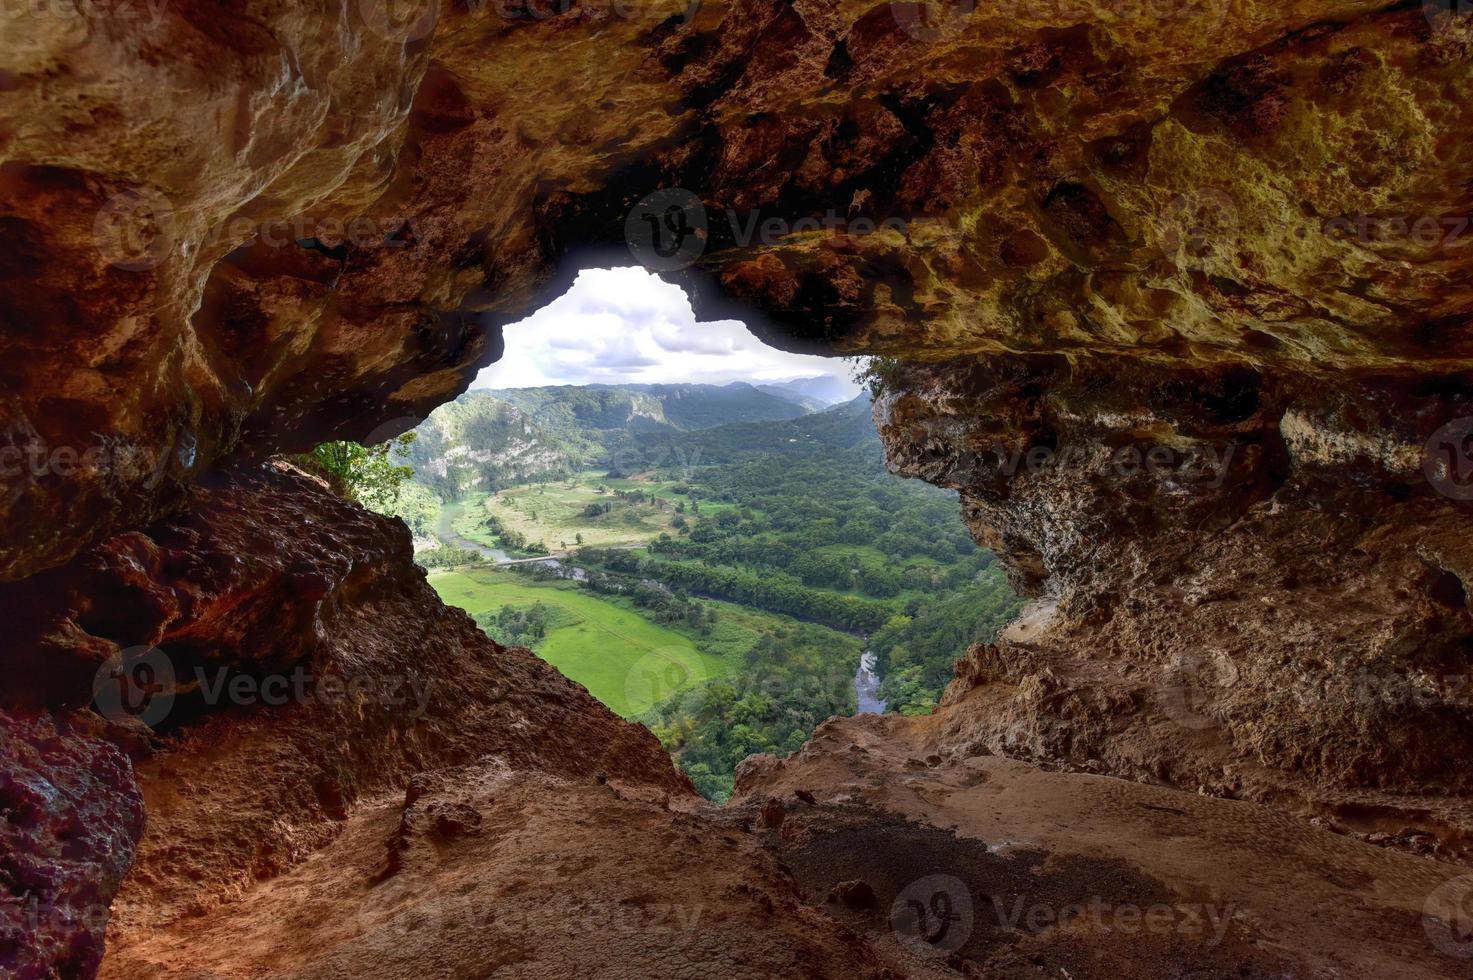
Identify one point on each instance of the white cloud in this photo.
(619, 326)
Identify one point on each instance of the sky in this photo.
(617, 326)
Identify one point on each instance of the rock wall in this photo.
(1250, 584)
(321, 229)
(253, 668)
(1174, 294)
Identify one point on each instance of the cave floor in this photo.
(494, 871)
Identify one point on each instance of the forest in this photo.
(778, 548)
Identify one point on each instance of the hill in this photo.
(489, 439)
(824, 389)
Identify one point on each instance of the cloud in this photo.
(629, 326)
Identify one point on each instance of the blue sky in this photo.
(628, 325)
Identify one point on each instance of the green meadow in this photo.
(626, 661)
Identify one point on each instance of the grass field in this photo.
(466, 522)
(626, 661)
(555, 513)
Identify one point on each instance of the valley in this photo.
(718, 582)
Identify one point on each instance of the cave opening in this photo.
(696, 526)
(1167, 301)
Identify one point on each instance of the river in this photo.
(445, 531)
(867, 687)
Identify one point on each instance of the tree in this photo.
(371, 475)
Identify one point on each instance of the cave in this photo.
(1172, 296)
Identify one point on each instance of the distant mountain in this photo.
(683, 406)
(788, 394)
(846, 429)
(824, 389)
(487, 439)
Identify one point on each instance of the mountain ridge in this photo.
(491, 438)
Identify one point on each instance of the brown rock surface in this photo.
(1246, 584)
(291, 659)
(72, 818)
(320, 231)
(1240, 228)
(1069, 874)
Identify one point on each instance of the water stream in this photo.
(445, 531)
(867, 687)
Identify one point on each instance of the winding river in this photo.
(445, 531)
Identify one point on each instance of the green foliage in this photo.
(797, 675)
(875, 374)
(371, 475)
(417, 506)
(782, 518)
(446, 556)
(524, 626)
(915, 652)
(489, 440)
